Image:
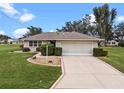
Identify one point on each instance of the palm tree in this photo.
(104, 20)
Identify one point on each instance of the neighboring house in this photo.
(112, 43)
(72, 43)
(2, 41)
(13, 41)
(10, 41)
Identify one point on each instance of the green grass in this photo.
(16, 72)
(115, 57)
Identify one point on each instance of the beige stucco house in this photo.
(72, 43)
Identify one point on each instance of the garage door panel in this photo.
(76, 48)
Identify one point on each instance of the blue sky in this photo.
(14, 18)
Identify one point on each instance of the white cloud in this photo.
(26, 17)
(8, 9)
(92, 20)
(92, 17)
(52, 30)
(20, 32)
(120, 18)
(2, 32)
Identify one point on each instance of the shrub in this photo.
(38, 49)
(50, 49)
(121, 44)
(21, 46)
(25, 49)
(58, 51)
(105, 53)
(10, 42)
(50, 61)
(97, 52)
(12, 51)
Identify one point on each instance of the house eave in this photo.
(65, 39)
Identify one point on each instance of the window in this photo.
(35, 43)
(113, 42)
(30, 43)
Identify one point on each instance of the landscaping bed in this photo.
(45, 60)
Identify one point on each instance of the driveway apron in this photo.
(88, 72)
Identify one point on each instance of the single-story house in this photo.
(72, 43)
(13, 41)
(112, 43)
(2, 41)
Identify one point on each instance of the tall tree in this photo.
(119, 31)
(4, 37)
(104, 20)
(83, 26)
(33, 31)
(70, 26)
(86, 26)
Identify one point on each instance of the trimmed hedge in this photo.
(98, 52)
(121, 44)
(105, 53)
(38, 49)
(26, 49)
(50, 49)
(21, 46)
(58, 51)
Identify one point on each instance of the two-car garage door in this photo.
(77, 48)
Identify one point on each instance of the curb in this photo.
(63, 73)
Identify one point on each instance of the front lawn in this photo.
(16, 72)
(115, 57)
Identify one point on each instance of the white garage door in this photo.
(78, 48)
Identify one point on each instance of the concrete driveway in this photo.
(89, 72)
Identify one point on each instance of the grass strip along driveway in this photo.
(115, 57)
(16, 72)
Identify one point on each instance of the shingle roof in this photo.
(61, 36)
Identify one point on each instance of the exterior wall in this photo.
(32, 48)
(85, 45)
(15, 42)
(79, 47)
(58, 44)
